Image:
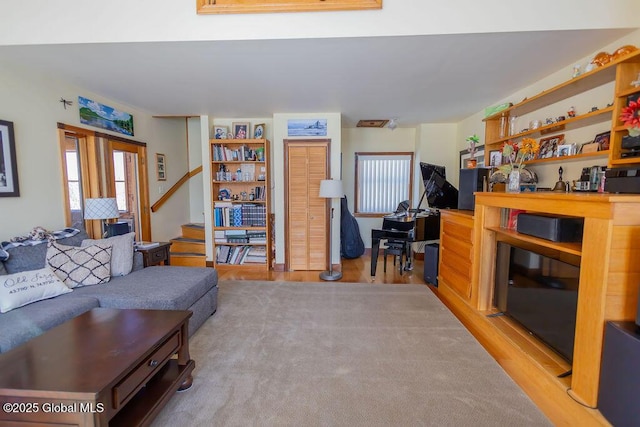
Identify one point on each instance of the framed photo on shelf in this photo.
(589, 147)
(161, 167)
(258, 131)
(549, 146)
(565, 150)
(220, 132)
(8, 162)
(495, 158)
(240, 130)
(602, 139)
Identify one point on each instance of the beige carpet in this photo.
(327, 354)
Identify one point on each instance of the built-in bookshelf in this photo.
(241, 203)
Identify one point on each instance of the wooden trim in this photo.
(257, 6)
(161, 201)
(356, 186)
(99, 134)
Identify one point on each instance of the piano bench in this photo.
(397, 250)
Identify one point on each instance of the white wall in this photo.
(196, 184)
(599, 97)
(370, 140)
(163, 20)
(31, 102)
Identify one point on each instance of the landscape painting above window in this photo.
(307, 127)
(95, 114)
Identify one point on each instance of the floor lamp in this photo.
(331, 189)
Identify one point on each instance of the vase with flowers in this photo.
(630, 116)
(473, 142)
(515, 156)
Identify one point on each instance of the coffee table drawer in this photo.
(130, 385)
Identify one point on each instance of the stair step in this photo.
(186, 259)
(182, 244)
(193, 231)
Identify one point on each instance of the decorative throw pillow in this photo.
(77, 266)
(121, 252)
(23, 288)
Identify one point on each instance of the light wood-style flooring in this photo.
(353, 271)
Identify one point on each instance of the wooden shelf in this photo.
(575, 86)
(582, 120)
(574, 157)
(630, 91)
(238, 182)
(570, 248)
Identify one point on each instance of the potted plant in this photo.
(473, 142)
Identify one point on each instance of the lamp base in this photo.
(331, 275)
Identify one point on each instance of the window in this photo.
(383, 180)
(258, 6)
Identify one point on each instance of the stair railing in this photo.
(166, 196)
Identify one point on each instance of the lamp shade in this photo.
(331, 189)
(100, 208)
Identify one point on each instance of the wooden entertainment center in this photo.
(609, 257)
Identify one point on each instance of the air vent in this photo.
(372, 123)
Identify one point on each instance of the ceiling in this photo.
(416, 79)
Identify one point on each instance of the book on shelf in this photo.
(145, 245)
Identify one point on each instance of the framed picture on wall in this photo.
(161, 167)
(258, 131)
(220, 132)
(8, 163)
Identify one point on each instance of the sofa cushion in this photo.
(121, 252)
(23, 258)
(3, 270)
(77, 267)
(19, 289)
(158, 287)
(19, 326)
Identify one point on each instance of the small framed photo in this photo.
(549, 146)
(495, 158)
(602, 139)
(564, 150)
(258, 131)
(161, 167)
(240, 130)
(589, 147)
(220, 132)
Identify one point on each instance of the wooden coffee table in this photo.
(104, 367)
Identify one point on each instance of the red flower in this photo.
(631, 114)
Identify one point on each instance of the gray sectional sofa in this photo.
(159, 287)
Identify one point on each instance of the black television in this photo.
(539, 292)
(439, 192)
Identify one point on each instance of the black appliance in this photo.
(554, 228)
(471, 180)
(539, 292)
(622, 180)
(431, 254)
(619, 374)
(117, 229)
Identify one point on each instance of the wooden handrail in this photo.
(175, 188)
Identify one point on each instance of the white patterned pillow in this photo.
(23, 288)
(121, 252)
(77, 266)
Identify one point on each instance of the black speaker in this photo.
(471, 180)
(619, 374)
(431, 253)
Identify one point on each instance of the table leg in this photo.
(375, 247)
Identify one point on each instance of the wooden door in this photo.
(307, 214)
